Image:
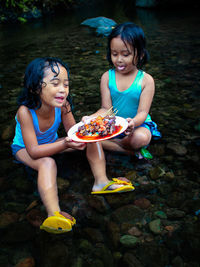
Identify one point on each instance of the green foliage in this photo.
(24, 9)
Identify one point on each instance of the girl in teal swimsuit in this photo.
(128, 88)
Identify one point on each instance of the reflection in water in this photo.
(164, 217)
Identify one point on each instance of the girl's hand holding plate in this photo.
(74, 144)
(131, 126)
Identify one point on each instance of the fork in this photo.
(111, 112)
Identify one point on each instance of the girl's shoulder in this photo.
(105, 77)
(105, 74)
(148, 79)
(23, 112)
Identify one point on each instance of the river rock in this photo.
(128, 213)
(160, 214)
(129, 260)
(142, 203)
(93, 234)
(156, 173)
(113, 232)
(28, 262)
(134, 231)
(8, 218)
(98, 203)
(178, 149)
(129, 241)
(155, 226)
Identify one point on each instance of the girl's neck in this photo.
(45, 111)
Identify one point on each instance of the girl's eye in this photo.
(55, 84)
(66, 85)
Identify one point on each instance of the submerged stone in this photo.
(129, 241)
(102, 25)
(155, 226)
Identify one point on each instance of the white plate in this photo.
(74, 129)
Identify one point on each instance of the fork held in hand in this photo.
(111, 112)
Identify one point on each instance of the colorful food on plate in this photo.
(99, 127)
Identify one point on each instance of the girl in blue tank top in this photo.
(128, 89)
(43, 104)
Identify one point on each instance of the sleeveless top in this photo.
(46, 137)
(126, 102)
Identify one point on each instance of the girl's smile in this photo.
(55, 88)
(122, 55)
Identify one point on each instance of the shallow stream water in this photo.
(167, 187)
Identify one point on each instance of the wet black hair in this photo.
(33, 80)
(133, 35)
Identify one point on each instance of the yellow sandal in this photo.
(57, 224)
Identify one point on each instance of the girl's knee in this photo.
(141, 138)
(48, 163)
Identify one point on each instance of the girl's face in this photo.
(122, 56)
(55, 88)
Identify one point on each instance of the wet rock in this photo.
(129, 260)
(169, 176)
(54, 253)
(134, 231)
(18, 232)
(158, 149)
(15, 207)
(175, 199)
(8, 218)
(78, 262)
(85, 246)
(98, 203)
(62, 184)
(93, 234)
(190, 205)
(28, 262)
(23, 184)
(155, 226)
(178, 149)
(96, 263)
(156, 173)
(165, 189)
(152, 254)
(129, 241)
(160, 214)
(142, 203)
(117, 200)
(178, 262)
(103, 252)
(129, 213)
(113, 232)
(35, 217)
(175, 213)
(8, 133)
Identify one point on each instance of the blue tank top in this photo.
(126, 102)
(46, 137)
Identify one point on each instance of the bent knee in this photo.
(48, 163)
(141, 138)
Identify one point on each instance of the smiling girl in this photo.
(43, 104)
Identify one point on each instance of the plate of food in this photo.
(98, 129)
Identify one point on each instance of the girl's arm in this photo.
(67, 118)
(69, 121)
(30, 140)
(146, 98)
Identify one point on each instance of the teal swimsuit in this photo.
(49, 136)
(127, 102)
